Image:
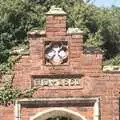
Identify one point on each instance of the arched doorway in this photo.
(58, 114)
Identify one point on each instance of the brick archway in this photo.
(54, 112)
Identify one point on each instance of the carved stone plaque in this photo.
(69, 83)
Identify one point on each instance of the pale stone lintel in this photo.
(74, 31)
(110, 68)
(37, 32)
(57, 99)
(55, 11)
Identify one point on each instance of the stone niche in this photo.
(56, 53)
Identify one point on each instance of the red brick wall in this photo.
(6, 113)
(96, 83)
(55, 26)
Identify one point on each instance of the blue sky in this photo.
(106, 3)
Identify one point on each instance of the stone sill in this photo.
(111, 68)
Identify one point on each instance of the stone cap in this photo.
(74, 31)
(55, 11)
(37, 32)
(111, 68)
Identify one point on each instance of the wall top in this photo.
(55, 11)
(74, 31)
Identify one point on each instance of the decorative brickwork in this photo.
(70, 82)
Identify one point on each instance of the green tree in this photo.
(101, 26)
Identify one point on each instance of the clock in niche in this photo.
(56, 53)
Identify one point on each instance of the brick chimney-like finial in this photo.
(55, 22)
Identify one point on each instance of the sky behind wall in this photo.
(106, 3)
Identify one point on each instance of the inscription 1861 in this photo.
(57, 82)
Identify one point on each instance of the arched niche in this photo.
(58, 112)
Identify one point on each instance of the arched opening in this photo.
(59, 118)
(58, 114)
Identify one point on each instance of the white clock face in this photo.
(56, 53)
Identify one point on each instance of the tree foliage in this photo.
(101, 26)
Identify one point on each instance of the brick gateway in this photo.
(70, 79)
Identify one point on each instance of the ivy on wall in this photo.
(8, 94)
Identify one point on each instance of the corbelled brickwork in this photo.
(95, 93)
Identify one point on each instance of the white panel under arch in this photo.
(54, 112)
